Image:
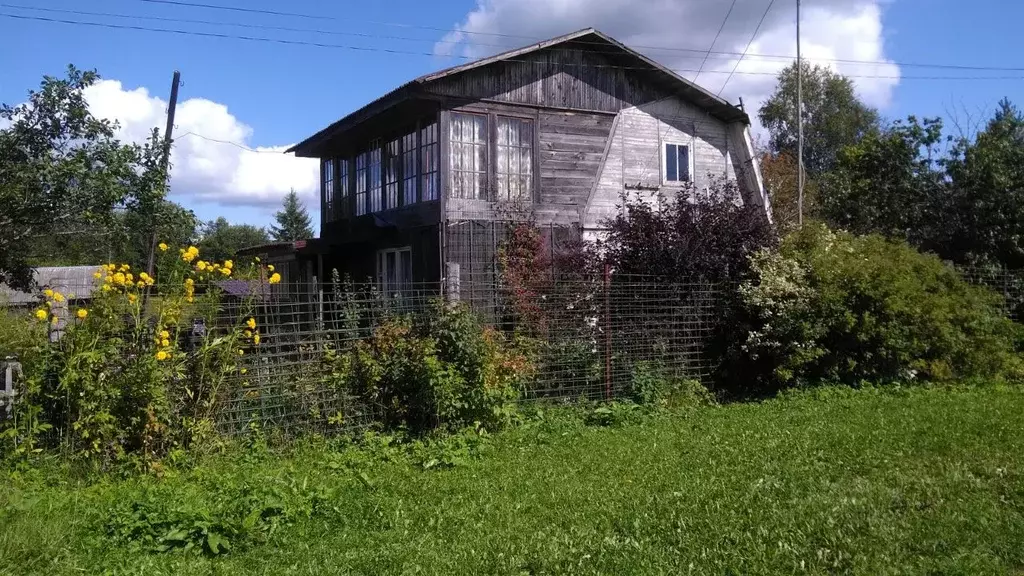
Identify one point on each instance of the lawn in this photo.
(904, 482)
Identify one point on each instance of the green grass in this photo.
(914, 482)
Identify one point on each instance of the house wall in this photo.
(569, 148)
(634, 157)
(580, 78)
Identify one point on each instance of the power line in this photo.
(751, 42)
(712, 47)
(235, 144)
(707, 53)
(183, 3)
(431, 54)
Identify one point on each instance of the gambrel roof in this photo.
(595, 40)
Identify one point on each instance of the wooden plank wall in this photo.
(635, 154)
(558, 78)
(571, 147)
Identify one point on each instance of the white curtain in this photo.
(515, 159)
(468, 137)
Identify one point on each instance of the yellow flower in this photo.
(58, 297)
(163, 247)
(119, 278)
(106, 287)
(129, 278)
(229, 264)
(201, 266)
(162, 355)
(165, 342)
(256, 339)
(41, 314)
(140, 284)
(257, 259)
(241, 352)
(190, 299)
(244, 371)
(270, 267)
(132, 297)
(248, 333)
(48, 293)
(251, 323)
(275, 278)
(225, 271)
(97, 275)
(164, 334)
(189, 282)
(53, 321)
(110, 268)
(82, 313)
(124, 268)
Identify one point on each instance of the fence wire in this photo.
(591, 332)
(1007, 283)
(588, 336)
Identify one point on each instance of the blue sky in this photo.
(270, 95)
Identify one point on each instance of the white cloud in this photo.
(203, 169)
(830, 30)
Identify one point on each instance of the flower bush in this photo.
(833, 307)
(114, 382)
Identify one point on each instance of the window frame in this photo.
(342, 187)
(492, 112)
(493, 169)
(664, 163)
(422, 156)
(328, 187)
(487, 145)
(381, 266)
(362, 191)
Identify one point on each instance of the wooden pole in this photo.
(799, 123)
(164, 161)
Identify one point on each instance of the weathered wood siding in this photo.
(560, 77)
(634, 162)
(571, 147)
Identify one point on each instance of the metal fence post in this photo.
(607, 332)
(11, 367)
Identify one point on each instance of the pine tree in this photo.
(293, 222)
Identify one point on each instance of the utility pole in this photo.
(799, 124)
(164, 161)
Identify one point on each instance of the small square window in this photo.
(678, 163)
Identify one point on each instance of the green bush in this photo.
(440, 369)
(833, 307)
(650, 385)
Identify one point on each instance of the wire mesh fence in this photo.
(1007, 283)
(586, 335)
(587, 338)
(589, 333)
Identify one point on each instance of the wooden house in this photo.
(415, 185)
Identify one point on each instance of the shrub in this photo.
(441, 368)
(850, 309)
(650, 384)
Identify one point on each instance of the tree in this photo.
(293, 222)
(890, 183)
(988, 192)
(63, 172)
(221, 240)
(779, 172)
(123, 238)
(833, 116)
